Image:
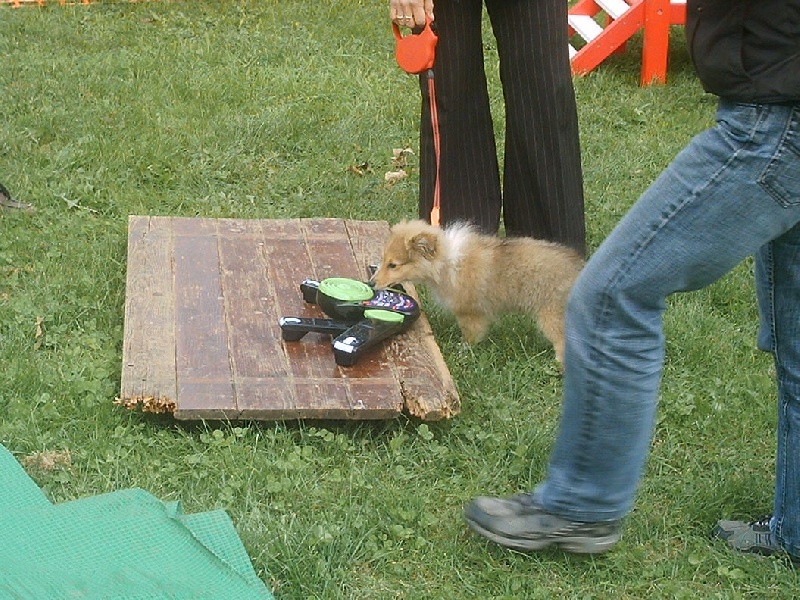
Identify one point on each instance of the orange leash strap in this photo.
(436, 146)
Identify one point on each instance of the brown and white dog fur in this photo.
(479, 277)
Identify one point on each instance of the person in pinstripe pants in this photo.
(542, 187)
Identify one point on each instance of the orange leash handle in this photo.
(416, 52)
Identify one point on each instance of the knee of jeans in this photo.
(588, 295)
(593, 293)
(582, 293)
(596, 282)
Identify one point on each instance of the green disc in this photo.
(346, 290)
(384, 315)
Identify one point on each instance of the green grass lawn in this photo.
(261, 110)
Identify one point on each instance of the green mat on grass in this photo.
(123, 545)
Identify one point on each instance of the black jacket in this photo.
(746, 50)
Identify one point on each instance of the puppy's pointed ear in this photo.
(426, 244)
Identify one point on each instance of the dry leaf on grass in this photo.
(400, 157)
(399, 164)
(394, 176)
(39, 333)
(49, 460)
(360, 170)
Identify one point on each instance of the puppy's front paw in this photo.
(558, 347)
(474, 328)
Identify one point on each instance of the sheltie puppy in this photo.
(479, 277)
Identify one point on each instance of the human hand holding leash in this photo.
(410, 13)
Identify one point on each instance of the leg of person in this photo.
(786, 283)
(469, 175)
(778, 286)
(542, 180)
(701, 217)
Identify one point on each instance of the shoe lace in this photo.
(762, 523)
(523, 498)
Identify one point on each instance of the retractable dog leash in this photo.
(415, 54)
(360, 316)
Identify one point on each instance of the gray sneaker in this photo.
(755, 537)
(517, 522)
(6, 201)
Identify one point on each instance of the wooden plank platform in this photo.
(202, 341)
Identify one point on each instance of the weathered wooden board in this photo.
(202, 340)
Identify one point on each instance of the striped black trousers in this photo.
(542, 188)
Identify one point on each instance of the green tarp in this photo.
(123, 545)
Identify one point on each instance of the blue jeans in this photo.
(734, 191)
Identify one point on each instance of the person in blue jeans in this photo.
(733, 192)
